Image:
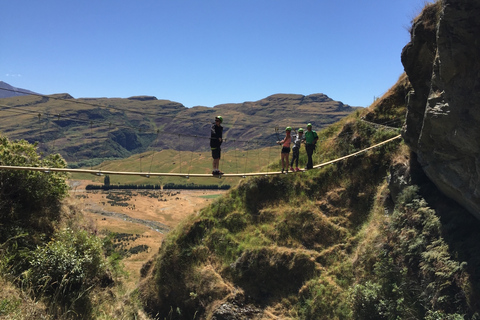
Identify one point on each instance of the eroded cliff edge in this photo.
(442, 62)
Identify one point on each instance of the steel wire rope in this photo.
(91, 136)
(269, 159)
(112, 107)
(191, 158)
(277, 130)
(91, 122)
(257, 141)
(153, 153)
(259, 154)
(197, 175)
(223, 164)
(180, 155)
(235, 154)
(246, 159)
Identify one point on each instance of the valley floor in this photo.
(139, 218)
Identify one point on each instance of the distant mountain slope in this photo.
(7, 91)
(115, 128)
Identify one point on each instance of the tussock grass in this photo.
(352, 244)
(283, 240)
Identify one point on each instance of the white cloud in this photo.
(14, 75)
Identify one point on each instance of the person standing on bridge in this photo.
(297, 141)
(311, 139)
(215, 143)
(285, 148)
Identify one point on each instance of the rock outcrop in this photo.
(442, 62)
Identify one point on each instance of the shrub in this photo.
(67, 267)
(29, 200)
(365, 300)
(416, 275)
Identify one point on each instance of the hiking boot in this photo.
(296, 169)
(283, 170)
(291, 169)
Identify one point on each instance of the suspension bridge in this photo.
(149, 174)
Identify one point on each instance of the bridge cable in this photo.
(153, 152)
(235, 154)
(196, 175)
(180, 153)
(191, 157)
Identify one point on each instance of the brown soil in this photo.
(133, 213)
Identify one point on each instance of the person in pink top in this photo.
(286, 148)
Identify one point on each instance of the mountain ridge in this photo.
(7, 91)
(86, 128)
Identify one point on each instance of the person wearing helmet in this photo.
(311, 139)
(285, 148)
(215, 143)
(297, 141)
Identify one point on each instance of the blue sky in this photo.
(205, 52)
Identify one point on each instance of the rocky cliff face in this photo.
(442, 62)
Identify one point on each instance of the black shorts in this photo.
(286, 150)
(216, 153)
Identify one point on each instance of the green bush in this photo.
(29, 200)
(365, 300)
(320, 299)
(66, 269)
(416, 276)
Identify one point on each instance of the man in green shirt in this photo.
(311, 138)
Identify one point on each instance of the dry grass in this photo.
(370, 237)
(16, 304)
(179, 205)
(430, 15)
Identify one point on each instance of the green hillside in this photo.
(340, 242)
(335, 243)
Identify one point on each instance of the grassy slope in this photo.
(320, 246)
(278, 243)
